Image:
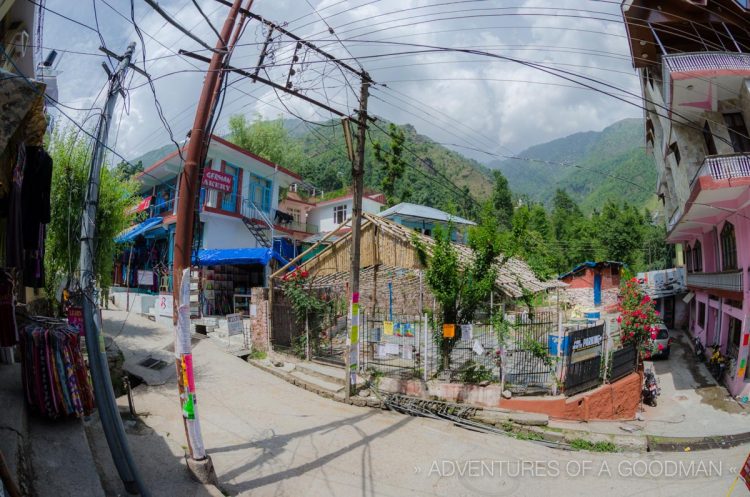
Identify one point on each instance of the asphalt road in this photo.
(269, 438)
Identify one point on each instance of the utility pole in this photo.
(358, 169)
(199, 463)
(105, 399)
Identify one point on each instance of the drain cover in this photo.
(152, 363)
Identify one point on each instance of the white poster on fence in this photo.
(467, 332)
(477, 348)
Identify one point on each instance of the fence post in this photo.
(560, 338)
(605, 350)
(426, 357)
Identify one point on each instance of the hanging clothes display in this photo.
(56, 381)
(8, 330)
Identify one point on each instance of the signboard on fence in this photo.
(145, 277)
(217, 180)
(234, 324)
(585, 344)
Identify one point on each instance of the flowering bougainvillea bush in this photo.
(639, 320)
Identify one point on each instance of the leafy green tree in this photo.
(502, 200)
(463, 288)
(268, 139)
(391, 161)
(127, 170)
(620, 231)
(71, 156)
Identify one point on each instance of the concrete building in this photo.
(424, 219)
(593, 284)
(328, 214)
(238, 204)
(695, 79)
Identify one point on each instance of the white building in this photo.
(328, 214)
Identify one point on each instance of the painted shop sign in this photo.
(585, 344)
(217, 180)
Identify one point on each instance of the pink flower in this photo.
(656, 312)
(653, 335)
(661, 347)
(619, 319)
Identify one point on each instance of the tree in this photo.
(391, 162)
(268, 139)
(460, 287)
(127, 170)
(71, 157)
(620, 232)
(502, 200)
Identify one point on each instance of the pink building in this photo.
(695, 81)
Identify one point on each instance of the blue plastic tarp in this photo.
(138, 229)
(255, 255)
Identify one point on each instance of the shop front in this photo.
(226, 277)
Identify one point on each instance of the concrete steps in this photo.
(329, 386)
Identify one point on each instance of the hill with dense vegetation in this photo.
(593, 167)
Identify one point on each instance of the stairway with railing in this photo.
(258, 223)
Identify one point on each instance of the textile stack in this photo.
(55, 378)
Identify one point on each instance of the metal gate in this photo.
(583, 370)
(624, 362)
(524, 366)
(284, 329)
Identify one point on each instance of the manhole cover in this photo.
(152, 363)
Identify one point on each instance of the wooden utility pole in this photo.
(358, 169)
(199, 462)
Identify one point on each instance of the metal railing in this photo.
(700, 61)
(729, 280)
(730, 166)
(706, 61)
(298, 226)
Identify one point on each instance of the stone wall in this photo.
(615, 401)
(583, 298)
(259, 323)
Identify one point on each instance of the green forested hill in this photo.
(599, 166)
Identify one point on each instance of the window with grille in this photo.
(737, 131)
(728, 248)
(339, 214)
(697, 257)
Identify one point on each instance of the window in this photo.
(697, 257)
(735, 332)
(675, 149)
(728, 248)
(702, 315)
(339, 214)
(259, 192)
(296, 215)
(688, 259)
(737, 131)
(708, 138)
(745, 4)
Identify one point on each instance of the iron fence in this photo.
(623, 362)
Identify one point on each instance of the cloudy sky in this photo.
(482, 102)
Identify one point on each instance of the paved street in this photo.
(269, 438)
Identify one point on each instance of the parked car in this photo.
(662, 342)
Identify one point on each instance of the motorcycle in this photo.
(700, 350)
(717, 364)
(650, 389)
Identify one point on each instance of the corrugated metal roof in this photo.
(416, 211)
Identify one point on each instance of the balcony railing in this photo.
(701, 61)
(730, 281)
(298, 226)
(724, 167)
(706, 61)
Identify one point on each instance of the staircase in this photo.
(258, 223)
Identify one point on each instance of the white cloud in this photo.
(473, 100)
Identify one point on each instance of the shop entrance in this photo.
(225, 289)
